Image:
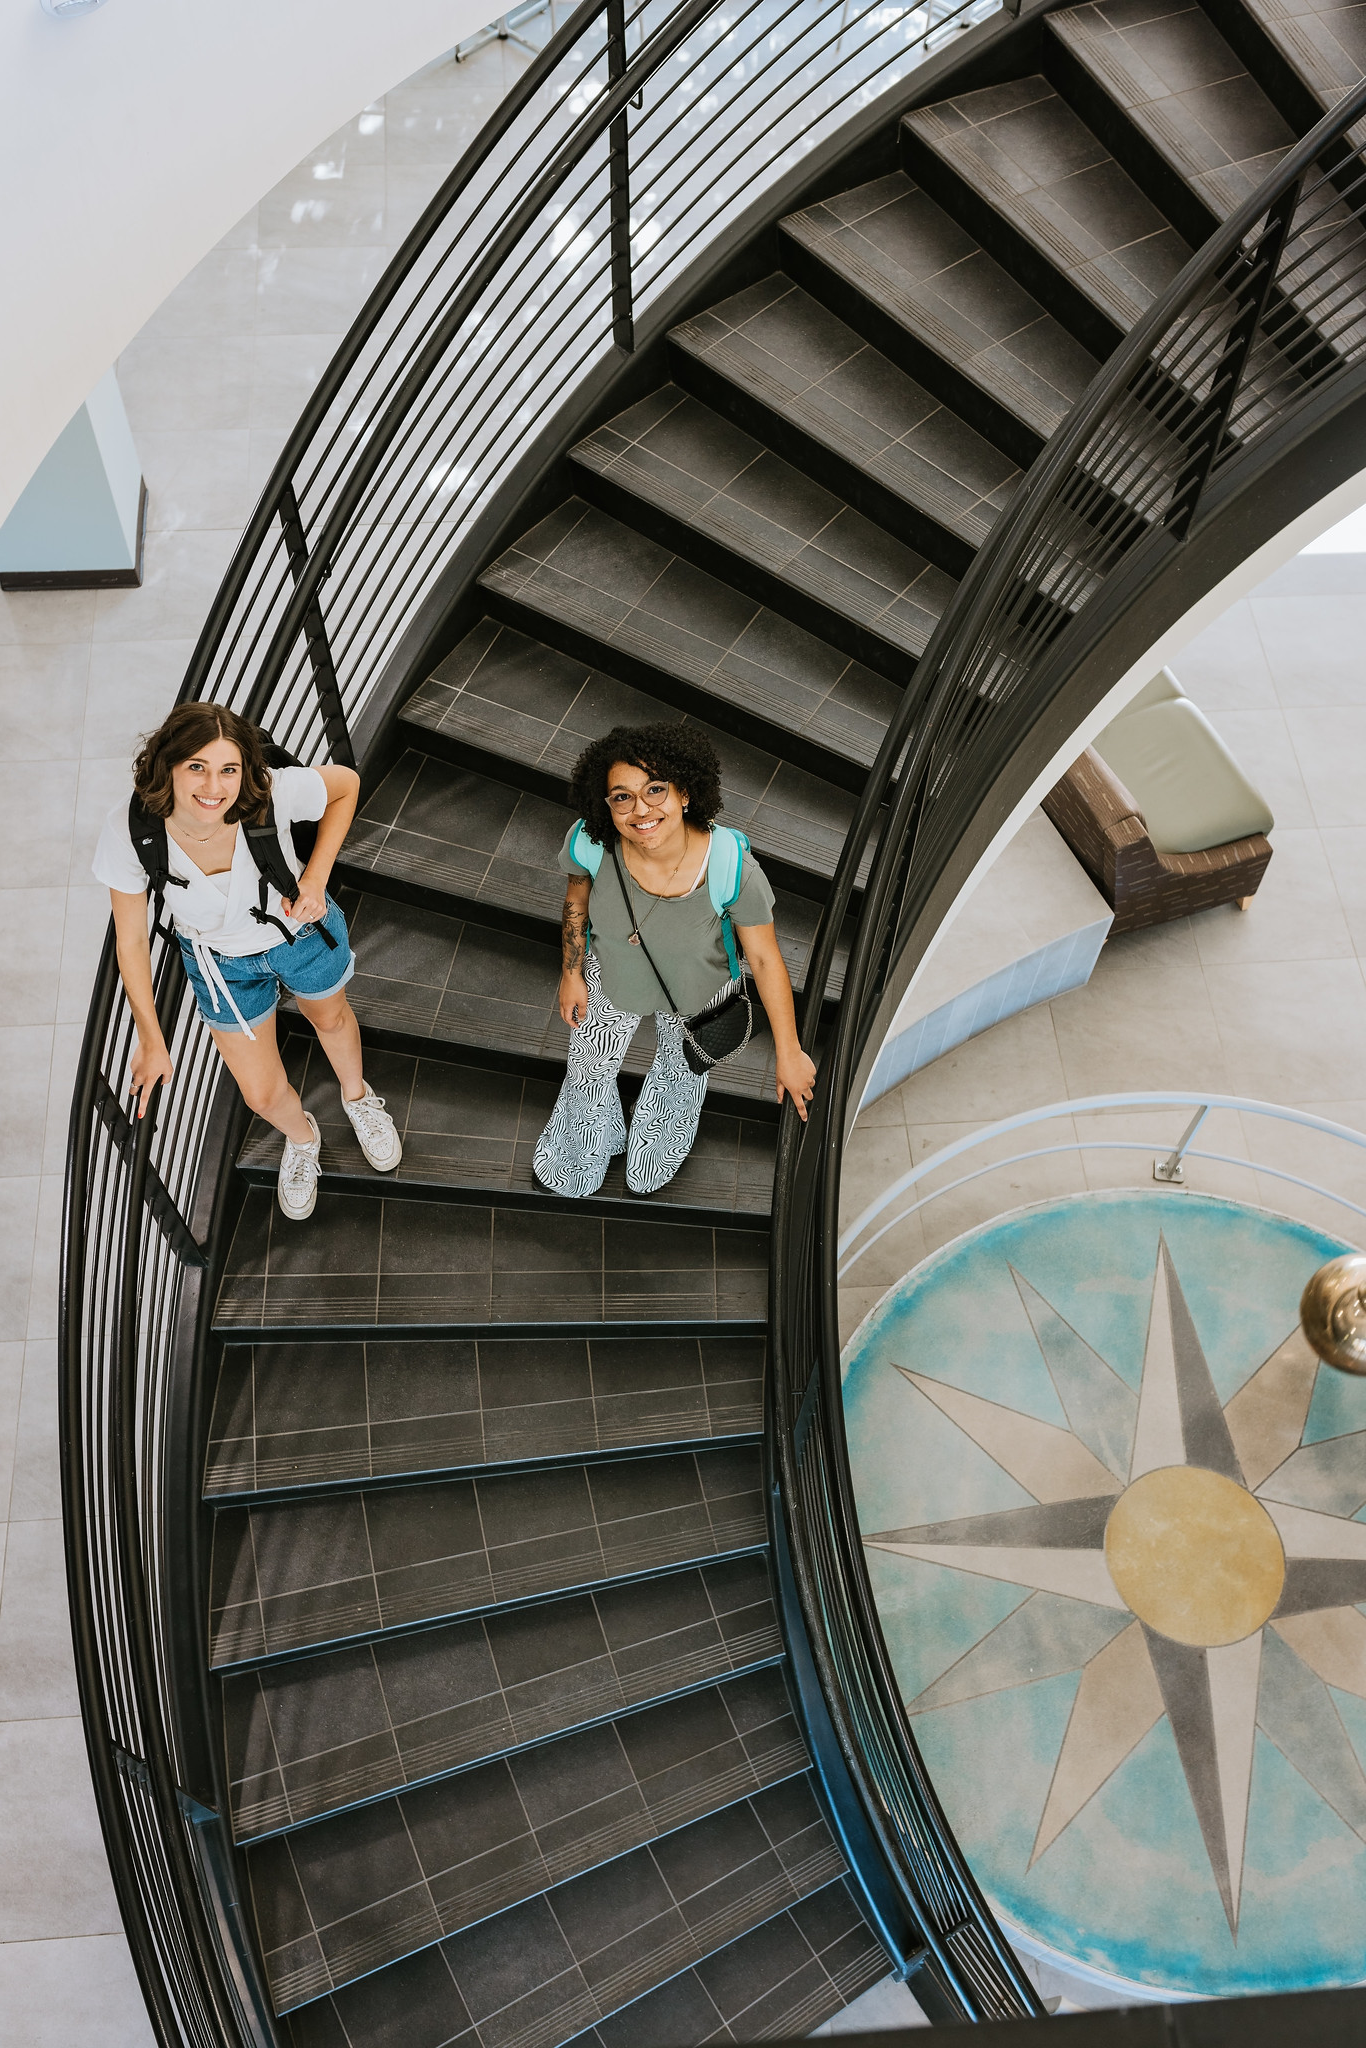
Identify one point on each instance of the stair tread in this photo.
(788, 352)
(439, 980)
(394, 1409)
(479, 841)
(568, 1959)
(525, 702)
(441, 1265)
(779, 1982)
(330, 1731)
(300, 1574)
(466, 1129)
(1023, 150)
(672, 452)
(1323, 41)
(1183, 88)
(892, 244)
(580, 569)
(365, 1888)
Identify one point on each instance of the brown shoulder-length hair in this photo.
(188, 730)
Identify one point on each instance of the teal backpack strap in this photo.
(725, 871)
(588, 854)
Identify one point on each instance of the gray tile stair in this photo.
(521, 705)
(888, 246)
(492, 849)
(586, 583)
(569, 1959)
(430, 981)
(1323, 41)
(322, 1733)
(781, 1981)
(300, 1575)
(471, 1133)
(400, 1409)
(793, 363)
(674, 464)
(1023, 151)
(366, 1263)
(1169, 69)
(370, 1886)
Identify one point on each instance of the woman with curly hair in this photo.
(200, 783)
(649, 796)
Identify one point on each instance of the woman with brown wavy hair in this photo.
(204, 774)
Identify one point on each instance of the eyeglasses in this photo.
(654, 795)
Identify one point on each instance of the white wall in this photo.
(132, 139)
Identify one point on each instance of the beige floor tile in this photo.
(37, 806)
(189, 383)
(11, 1388)
(26, 1062)
(1295, 915)
(1313, 646)
(35, 1487)
(855, 1304)
(101, 786)
(37, 618)
(1290, 1037)
(285, 369)
(42, 700)
(55, 1994)
(1013, 1066)
(31, 937)
(43, 1273)
(182, 572)
(1325, 741)
(66, 1049)
(18, 1225)
(874, 1157)
(196, 478)
(895, 1253)
(1226, 667)
(324, 203)
(133, 684)
(315, 291)
(218, 297)
(87, 919)
(53, 1877)
(37, 1667)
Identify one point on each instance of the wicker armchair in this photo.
(1104, 827)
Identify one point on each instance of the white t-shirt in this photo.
(216, 909)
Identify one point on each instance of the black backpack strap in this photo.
(148, 834)
(264, 845)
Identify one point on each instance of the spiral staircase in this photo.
(508, 1724)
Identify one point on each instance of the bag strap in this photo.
(638, 935)
(724, 877)
(148, 834)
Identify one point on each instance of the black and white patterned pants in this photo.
(587, 1128)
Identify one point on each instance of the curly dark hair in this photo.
(676, 753)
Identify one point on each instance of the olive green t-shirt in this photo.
(682, 932)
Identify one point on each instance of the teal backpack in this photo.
(724, 871)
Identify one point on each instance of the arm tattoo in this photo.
(574, 937)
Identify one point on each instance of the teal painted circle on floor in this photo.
(1167, 1787)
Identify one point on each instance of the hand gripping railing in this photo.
(620, 156)
(1266, 324)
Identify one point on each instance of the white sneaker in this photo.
(297, 1187)
(374, 1127)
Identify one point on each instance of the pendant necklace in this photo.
(656, 899)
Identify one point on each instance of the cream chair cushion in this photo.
(1191, 791)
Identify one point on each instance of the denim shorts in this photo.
(309, 968)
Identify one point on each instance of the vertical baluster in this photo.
(315, 636)
(619, 173)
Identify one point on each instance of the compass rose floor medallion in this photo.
(1110, 1502)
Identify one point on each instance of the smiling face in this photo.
(207, 785)
(646, 810)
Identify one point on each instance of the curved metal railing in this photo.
(639, 134)
(1263, 331)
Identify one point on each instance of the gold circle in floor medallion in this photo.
(1194, 1555)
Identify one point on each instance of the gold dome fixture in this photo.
(1333, 1312)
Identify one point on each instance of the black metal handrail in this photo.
(1264, 327)
(625, 149)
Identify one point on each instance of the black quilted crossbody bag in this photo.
(710, 1035)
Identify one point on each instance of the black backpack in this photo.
(148, 835)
